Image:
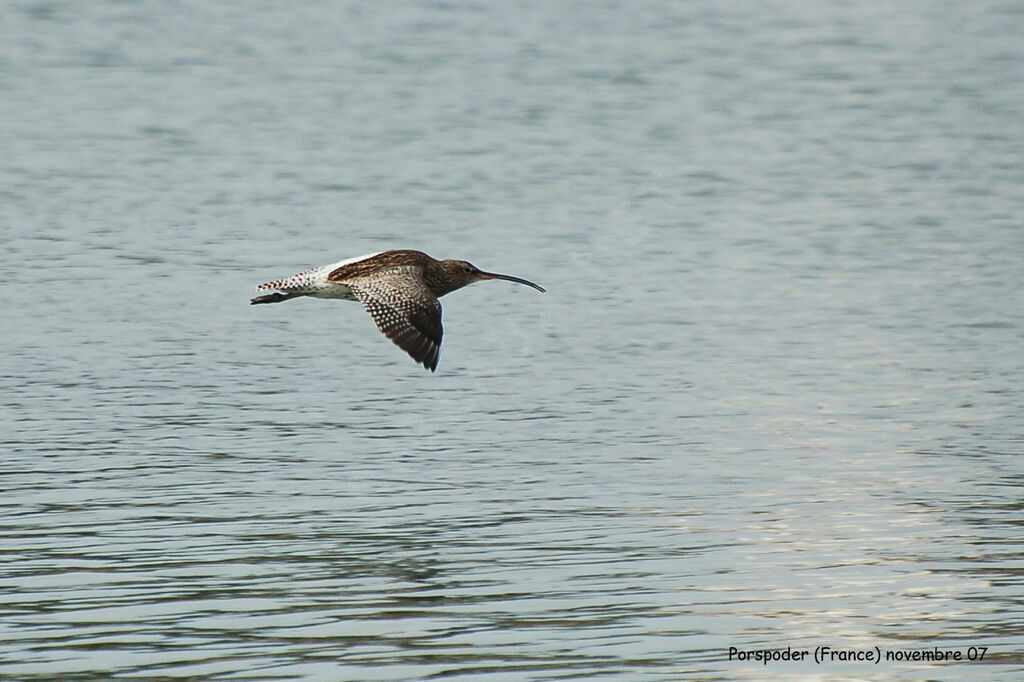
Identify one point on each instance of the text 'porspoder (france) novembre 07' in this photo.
(825, 654)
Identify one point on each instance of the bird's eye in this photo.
(468, 269)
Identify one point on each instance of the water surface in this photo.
(771, 399)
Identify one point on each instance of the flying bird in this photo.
(399, 289)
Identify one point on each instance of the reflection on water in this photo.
(771, 399)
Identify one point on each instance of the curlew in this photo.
(398, 288)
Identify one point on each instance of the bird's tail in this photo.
(275, 297)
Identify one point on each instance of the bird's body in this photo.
(398, 288)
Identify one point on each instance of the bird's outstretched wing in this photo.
(405, 311)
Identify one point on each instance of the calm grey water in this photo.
(772, 398)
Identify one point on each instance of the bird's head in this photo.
(459, 273)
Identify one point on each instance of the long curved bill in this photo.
(510, 278)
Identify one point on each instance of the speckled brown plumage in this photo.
(398, 288)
